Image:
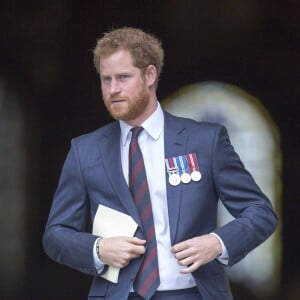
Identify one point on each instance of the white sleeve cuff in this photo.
(223, 258)
(98, 263)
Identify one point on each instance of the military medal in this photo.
(172, 170)
(196, 175)
(193, 164)
(174, 179)
(185, 177)
(183, 168)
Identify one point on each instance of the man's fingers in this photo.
(196, 252)
(138, 250)
(135, 240)
(179, 247)
(186, 261)
(193, 267)
(118, 251)
(137, 246)
(184, 252)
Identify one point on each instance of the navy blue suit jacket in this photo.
(92, 175)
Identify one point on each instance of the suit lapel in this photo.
(110, 152)
(176, 139)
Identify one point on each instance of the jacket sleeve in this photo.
(65, 239)
(255, 219)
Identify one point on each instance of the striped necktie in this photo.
(147, 279)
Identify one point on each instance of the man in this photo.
(179, 166)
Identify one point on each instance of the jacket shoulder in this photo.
(96, 135)
(193, 125)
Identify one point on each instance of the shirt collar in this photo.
(153, 125)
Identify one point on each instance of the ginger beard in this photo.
(129, 108)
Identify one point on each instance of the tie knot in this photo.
(135, 132)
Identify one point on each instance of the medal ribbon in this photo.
(193, 162)
(180, 164)
(171, 168)
(186, 165)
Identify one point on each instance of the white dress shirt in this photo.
(151, 141)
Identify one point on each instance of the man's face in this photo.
(124, 89)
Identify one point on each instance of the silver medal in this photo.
(185, 177)
(174, 179)
(196, 175)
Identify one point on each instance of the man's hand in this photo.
(119, 251)
(196, 252)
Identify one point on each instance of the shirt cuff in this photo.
(223, 258)
(98, 263)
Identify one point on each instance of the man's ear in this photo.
(151, 75)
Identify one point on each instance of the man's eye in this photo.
(124, 77)
(106, 79)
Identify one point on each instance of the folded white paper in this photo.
(109, 222)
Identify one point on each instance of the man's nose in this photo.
(114, 87)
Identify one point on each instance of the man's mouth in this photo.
(117, 101)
